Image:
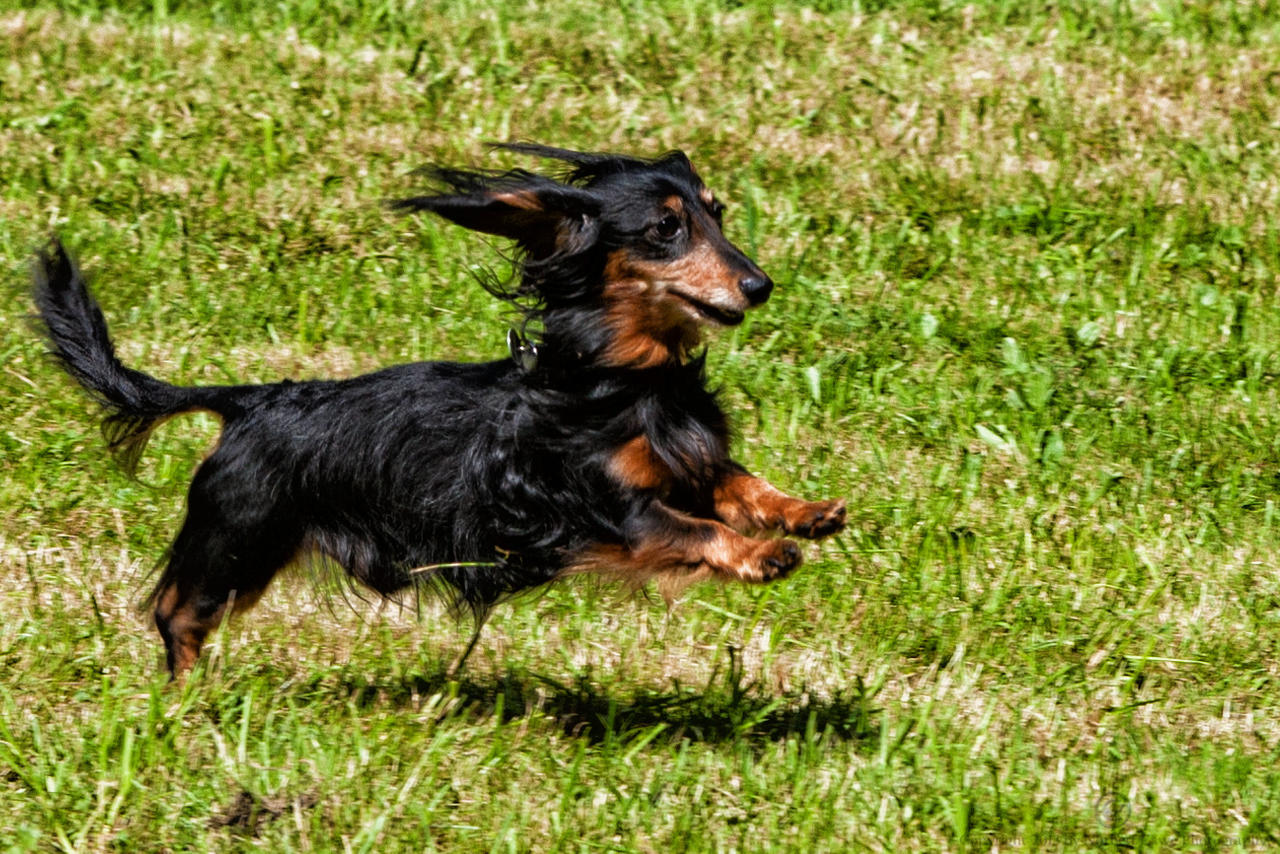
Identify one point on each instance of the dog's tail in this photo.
(77, 332)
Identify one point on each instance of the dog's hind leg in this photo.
(221, 562)
(209, 573)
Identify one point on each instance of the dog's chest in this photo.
(674, 437)
(682, 463)
(635, 465)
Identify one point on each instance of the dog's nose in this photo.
(756, 287)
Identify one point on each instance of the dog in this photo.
(596, 447)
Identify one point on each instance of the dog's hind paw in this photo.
(819, 519)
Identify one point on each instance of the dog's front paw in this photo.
(776, 560)
(819, 519)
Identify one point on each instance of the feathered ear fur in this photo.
(588, 166)
(545, 217)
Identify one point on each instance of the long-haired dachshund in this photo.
(596, 447)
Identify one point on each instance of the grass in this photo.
(1026, 321)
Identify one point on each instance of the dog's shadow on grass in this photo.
(728, 708)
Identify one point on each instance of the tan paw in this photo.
(819, 519)
(777, 559)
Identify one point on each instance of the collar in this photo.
(523, 351)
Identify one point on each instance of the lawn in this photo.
(1026, 322)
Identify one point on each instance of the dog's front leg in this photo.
(662, 541)
(748, 503)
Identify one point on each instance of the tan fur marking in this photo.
(752, 504)
(186, 630)
(647, 331)
(635, 465)
(708, 197)
(652, 325)
(703, 269)
(690, 550)
(167, 601)
(525, 200)
(749, 503)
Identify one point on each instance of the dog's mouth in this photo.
(705, 310)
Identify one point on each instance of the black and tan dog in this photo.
(605, 453)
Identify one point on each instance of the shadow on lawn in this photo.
(726, 709)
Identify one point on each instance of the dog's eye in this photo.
(668, 227)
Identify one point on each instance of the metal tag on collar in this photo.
(524, 352)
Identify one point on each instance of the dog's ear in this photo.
(543, 216)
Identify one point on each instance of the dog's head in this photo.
(637, 241)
